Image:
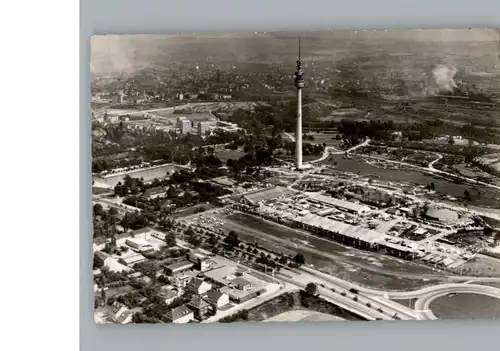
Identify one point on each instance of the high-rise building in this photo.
(203, 127)
(299, 84)
(185, 126)
(180, 120)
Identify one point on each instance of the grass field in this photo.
(298, 301)
(366, 268)
(97, 190)
(466, 306)
(192, 210)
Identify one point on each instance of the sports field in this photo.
(304, 316)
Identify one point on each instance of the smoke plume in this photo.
(443, 78)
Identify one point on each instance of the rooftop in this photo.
(351, 206)
(332, 225)
(178, 312)
(197, 303)
(214, 295)
(154, 191)
(240, 281)
(180, 265)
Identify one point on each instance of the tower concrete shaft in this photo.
(298, 132)
(299, 84)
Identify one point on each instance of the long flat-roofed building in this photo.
(178, 267)
(341, 204)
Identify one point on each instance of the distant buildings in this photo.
(184, 125)
(203, 127)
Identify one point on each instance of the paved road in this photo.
(432, 163)
(405, 294)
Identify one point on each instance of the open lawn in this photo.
(229, 154)
(466, 306)
(304, 316)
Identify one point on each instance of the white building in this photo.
(199, 286)
(139, 244)
(203, 127)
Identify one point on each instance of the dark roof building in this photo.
(179, 267)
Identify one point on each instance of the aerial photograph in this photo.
(288, 176)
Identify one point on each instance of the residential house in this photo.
(199, 286)
(199, 306)
(182, 280)
(217, 298)
(180, 315)
(121, 314)
(240, 284)
(169, 295)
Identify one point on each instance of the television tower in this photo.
(299, 84)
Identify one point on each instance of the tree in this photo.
(311, 289)
(98, 209)
(113, 211)
(299, 259)
(195, 240)
(232, 239)
(189, 232)
(170, 239)
(467, 195)
(213, 240)
(433, 187)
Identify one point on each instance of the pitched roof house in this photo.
(217, 298)
(180, 314)
(199, 286)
